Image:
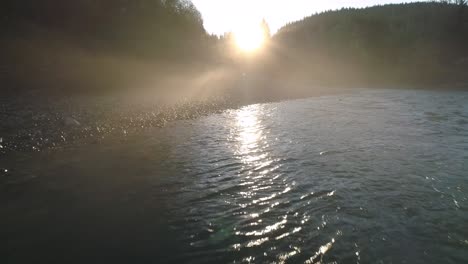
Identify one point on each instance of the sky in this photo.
(222, 16)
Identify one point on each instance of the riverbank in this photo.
(35, 122)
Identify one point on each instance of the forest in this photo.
(145, 28)
(96, 45)
(398, 44)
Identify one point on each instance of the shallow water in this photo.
(373, 176)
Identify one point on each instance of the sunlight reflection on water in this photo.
(362, 178)
(250, 137)
(249, 133)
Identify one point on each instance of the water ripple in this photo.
(375, 176)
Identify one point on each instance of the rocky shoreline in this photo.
(34, 123)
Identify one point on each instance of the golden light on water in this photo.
(249, 133)
(249, 38)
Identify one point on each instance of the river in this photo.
(372, 176)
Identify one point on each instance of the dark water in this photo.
(367, 177)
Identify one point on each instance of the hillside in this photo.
(107, 45)
(410, 44)
(99, 45)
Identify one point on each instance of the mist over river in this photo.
(369, 176)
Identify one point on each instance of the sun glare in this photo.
(249, 39)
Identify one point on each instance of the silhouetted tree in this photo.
(141, 27)
(455, 2)
(265, 29)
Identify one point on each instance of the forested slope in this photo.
(417, 43)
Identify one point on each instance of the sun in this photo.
(249, 38)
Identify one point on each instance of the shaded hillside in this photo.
(418, 43)
(92, 45)
(107, 45)
(150, 28)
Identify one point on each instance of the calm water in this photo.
(366, 177)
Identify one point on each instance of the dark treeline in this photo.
(100, 45)
(110, 44)
(400, 44)
(144, 28)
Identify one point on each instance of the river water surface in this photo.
(373, 176)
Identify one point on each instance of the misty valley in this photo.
(176, 131)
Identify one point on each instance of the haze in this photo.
(234, 131)
(223, 15)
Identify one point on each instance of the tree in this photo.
(146, 28)
(456, 2)
(266, 29)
